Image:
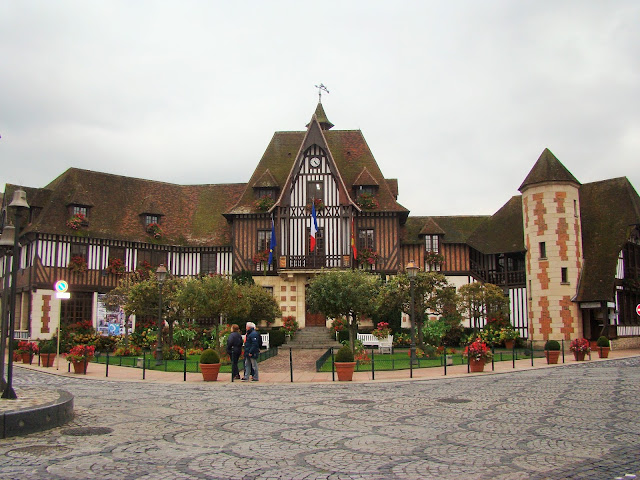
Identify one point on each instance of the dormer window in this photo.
(150, 219)
(81, 209)
(265, 193)
(78, 216)
(368, 189)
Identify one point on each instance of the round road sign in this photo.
(61, 286)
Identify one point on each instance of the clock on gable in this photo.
(314, 162)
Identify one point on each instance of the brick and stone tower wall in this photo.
(553, 239)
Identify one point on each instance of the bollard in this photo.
(373, 369)
(532, 353)
(144, 363)
(562, 345)
(185, 365)
(291, 364)
(493, 356)
(513, 354)
(86, 361)
(333, 367)
(107, 372)
(445, 361)
(410, 365)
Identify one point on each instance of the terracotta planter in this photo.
(345, 370)
(552, 356)
(46, 359)
(476, 365)
(26, 358)
(579, 356)
(210, 371)
(508, 344)
(79, 366)
(603, 351)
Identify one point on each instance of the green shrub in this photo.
(209, 356)
(344, 354)
(47, 346)
(343, 335)
(106, 343)
(552, 345)
(603, 342)
(276, 337)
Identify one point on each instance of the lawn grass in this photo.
(399, 360)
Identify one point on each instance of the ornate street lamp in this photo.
(412, 271)
(6, 244)
(19, 203)
(161, 275)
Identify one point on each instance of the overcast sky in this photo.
(456, 99)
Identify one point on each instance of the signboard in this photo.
(61, 290)
(110, 322)
(638, 309)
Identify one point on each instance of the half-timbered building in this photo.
(567, 255)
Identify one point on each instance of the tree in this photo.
(482, 300)
(347, 293)
(432, 294)
(213, 297)
(262, 304)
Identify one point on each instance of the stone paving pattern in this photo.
(572, 421)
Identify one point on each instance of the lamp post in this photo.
(18, 203)
(412, 271)
(161, 274)
(6, 244)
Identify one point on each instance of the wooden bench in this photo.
(369, 340)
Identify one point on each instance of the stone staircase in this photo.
(313, 337)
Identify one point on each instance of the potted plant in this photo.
(210, 365)
(367, 257)
(367, 201)
(478, 354)
(580, 347)
(264, 203)
(382, 331)
(508, 335)
(27, 350)
(345, 364)
(154, 230)
(80, 355)
(76, 221)
(552, 351)
(604, 346)
(47, 352)
(116, 266)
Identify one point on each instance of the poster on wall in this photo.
(109, 322)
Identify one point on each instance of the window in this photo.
(152, 257)
(432, 243)
(265, 192)
(149, 219)
(575, 208)
(77, 308)
(366, 238)
(370, 189)
(75, 209)
(315, 189)
(78, 250)
(543, 250)
(269, 290)
(264, 240)
(319, 250)
(116, 253)
(208, 263)
(564, 275)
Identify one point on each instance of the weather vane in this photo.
(320, 88)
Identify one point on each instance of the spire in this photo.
(548, 169)
(324, 122)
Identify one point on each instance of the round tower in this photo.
(553, 239)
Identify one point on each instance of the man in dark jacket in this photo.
(252, 344)
(234, 349)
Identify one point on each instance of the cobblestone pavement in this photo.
(577, 421)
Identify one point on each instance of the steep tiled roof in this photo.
(608, 209)
(548, 169)
(430, 227)
(349, 151)
(266, 180)
(322, 118)
(457, 229)
(503, 231)
(365, 179)
(192, 214)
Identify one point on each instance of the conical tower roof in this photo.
(324, 122)
(548, 169)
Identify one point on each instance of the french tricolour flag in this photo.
(314, 228)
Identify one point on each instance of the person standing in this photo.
(252, 344)
(234, 349)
